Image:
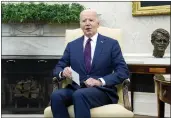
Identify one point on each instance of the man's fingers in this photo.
(67, 72)
(88, 85)
(89, 82)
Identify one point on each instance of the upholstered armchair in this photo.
(122, 108)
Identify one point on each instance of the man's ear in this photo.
(152, 41)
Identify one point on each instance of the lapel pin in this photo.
(101, 41)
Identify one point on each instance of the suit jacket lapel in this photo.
(98, 49)
(81, 53)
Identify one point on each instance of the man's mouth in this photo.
(161, 47)
(88, 29)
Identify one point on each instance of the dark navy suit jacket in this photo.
(108, 63)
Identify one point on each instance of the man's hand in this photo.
(92, 82)
(67, 72)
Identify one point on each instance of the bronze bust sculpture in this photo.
(160, 39)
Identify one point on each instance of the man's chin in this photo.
(88, 34)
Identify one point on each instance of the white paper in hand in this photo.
(75, 77)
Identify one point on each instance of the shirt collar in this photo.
(93, 38)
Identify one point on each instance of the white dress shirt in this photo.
(93, 44)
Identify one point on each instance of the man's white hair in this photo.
(90, 10)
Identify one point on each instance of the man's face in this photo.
(160, 42)
(89, 23)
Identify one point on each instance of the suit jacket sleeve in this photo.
(121, 71)
(63, 62)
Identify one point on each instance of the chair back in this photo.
(72, 34)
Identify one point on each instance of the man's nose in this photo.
(87, 22)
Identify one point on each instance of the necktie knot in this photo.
(89, 40)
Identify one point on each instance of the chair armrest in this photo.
(126, 101)
(60, 84)
(56, 83)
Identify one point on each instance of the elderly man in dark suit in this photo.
(100, 64)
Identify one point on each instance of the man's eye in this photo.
(158, 40)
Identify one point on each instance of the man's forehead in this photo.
(88, 12)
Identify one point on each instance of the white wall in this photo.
(136, 30)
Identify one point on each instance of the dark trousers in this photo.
(83, 100)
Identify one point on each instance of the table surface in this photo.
(147, 60)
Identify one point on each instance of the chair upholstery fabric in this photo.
(72, 34)
(106, 111)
